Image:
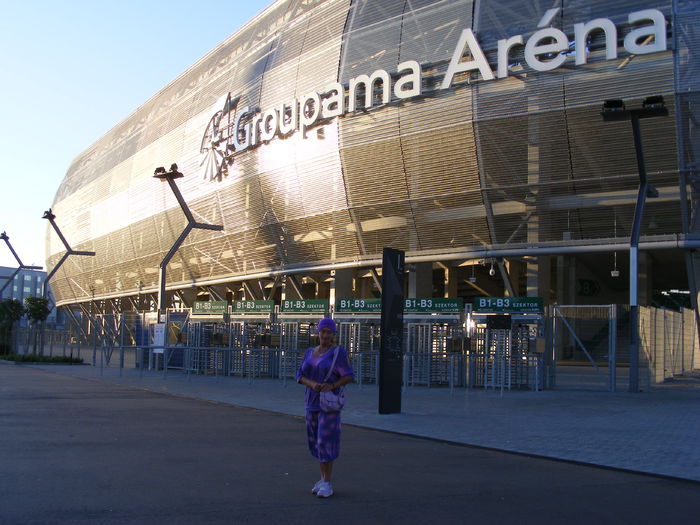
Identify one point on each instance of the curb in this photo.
(23, 363)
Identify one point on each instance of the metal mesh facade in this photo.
(522, 161)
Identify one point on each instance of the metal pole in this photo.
(170, 177)
(634, 248)
(612, 347)
(615, 110)
(69, 251)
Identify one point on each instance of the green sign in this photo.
(257, 307)
(210, 307)
(305, 306)
(509, 305)
(433, 305)
(357, 306)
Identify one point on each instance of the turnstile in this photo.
(504, 351)
(435, 349)
(359, 335)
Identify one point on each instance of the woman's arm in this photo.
(311, 384)
(342, 381)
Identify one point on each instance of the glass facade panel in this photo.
(524, 160)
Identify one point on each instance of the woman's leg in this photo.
(328, 441)
(312, 431)
(326, 470)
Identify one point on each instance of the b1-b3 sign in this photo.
(509, 305)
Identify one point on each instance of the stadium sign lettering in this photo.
(546, 49)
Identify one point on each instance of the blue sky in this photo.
(70, 71)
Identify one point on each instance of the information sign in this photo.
(431, 305)
(257, 307)
(509, 305)
(305, 306)
(158, 338)
(358, 306)
(210, 307)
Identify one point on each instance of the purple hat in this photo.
(326, 322)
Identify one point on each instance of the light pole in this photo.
(21, 266)
(48, 215)
(615, 110)
(169, 177)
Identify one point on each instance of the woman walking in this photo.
(324, 368)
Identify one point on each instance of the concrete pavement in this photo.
(655, 432)
(79, 448)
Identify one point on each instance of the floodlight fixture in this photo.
(654, 102)
(3, 236)
(615, 109)
(48, 214)
(652, 106)
(173, 173)
(170, 177)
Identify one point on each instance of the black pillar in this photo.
(391, 349)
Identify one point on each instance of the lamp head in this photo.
(48, 214)
(614, 109)
(654, 106)
(653, 102)
(3, 236)
(173, 173)
(161, 174)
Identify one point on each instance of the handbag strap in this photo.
(330, 370)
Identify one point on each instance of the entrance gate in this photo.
(584, 348)
(504, 353)
(358, 333)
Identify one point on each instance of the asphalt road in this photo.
(82, 451)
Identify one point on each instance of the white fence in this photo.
(669, 343)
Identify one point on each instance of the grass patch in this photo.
(35, 358)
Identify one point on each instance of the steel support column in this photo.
(169, 177)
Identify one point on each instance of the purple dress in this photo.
(323, 428)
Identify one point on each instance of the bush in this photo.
(34, 358)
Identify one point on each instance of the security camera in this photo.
(492, 271)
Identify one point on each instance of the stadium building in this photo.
(467, 133)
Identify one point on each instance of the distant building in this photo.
(27, 283)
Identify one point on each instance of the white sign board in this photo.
(158, 338)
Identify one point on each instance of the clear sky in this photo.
(70, 71)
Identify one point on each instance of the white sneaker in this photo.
(317, 486)
(325, 490)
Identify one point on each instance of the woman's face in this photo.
(325, 336)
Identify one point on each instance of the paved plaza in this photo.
(81, 448)
(657, 431)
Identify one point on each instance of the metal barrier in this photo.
(488, 358)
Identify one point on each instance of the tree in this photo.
(38, 310)
(11, 311)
